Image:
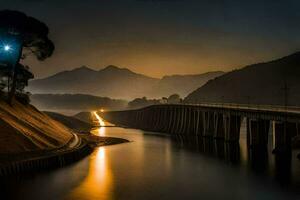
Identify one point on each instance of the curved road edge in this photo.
(74, 151)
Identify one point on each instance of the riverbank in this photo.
(96, 141)
(83, 129)
(43, 160)
(31, 141)
(51, 159)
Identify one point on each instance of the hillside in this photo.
(117, 83)
(183, 84)
(84, 116)
(262, 83)
(24, 128)
(73, 102)
(71, 122)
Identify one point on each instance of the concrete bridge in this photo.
(219, 121)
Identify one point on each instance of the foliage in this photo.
(142, 102)
(20, 35)
(174, 99)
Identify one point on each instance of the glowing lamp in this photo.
(7, 47)
(10, 48)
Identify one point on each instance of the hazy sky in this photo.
(159, 37)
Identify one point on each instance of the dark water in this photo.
(155, 167)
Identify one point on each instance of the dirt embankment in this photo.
(24, 129)
(71, 122)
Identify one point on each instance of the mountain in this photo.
(183, 84)
(111, 81)
(75, 102)
(118, 83)
(276, 82)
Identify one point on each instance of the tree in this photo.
(23, 76)
(142, 102)
(174, 99)
(22, 35)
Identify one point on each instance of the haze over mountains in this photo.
(118, 83)
(276, 82)
(74, 103)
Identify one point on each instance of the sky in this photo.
(163, 37)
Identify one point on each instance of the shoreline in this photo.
(53, 159)
(82, 145)
(98, 141)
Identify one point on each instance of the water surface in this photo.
(156, 167)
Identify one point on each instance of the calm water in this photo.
(155, 167)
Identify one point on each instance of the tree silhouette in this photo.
(174, 99)
(29, 36)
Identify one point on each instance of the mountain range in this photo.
(118, 83)
(276, 83)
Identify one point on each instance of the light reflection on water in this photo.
(99, 181)
(155, 167)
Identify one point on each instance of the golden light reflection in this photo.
(99, 182)
(99, 119)
(101, 130)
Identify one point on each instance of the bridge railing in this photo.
(256, 107)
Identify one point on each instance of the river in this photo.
(154, 166)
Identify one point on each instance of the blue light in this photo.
(10, 47)
(7, 48)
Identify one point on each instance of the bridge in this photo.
(218, 121)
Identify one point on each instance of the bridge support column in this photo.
(232, 126)
(191, 123)
(257, 132)
(199, 122)
(183, 119)
(219, 130)
(172, 119)
(166, 121)
(178, 113)
(282, 134)
(187, 121)
(163, 121)
(208, 124)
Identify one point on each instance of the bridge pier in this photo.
(187, 120)
(257, 132)
(158, 117)
(163, 122)
(282, 134)
(191, 123)
(208, 122)
(232, 124)
(166, 120)
(183, 119)
(199, 122)
(219, 129)
(177, 125)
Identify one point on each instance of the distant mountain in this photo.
(111, 81)
(183, 84)
(274, 82)
(75, 102)
(119, 83)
